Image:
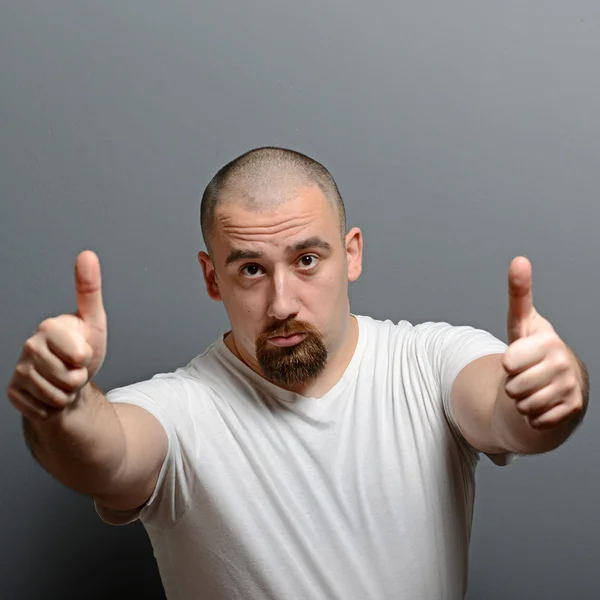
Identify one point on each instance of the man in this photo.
(310, 452)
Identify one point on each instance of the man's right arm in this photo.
(110, 452)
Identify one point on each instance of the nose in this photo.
(283, 303)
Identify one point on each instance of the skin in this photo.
(527, 400)
(530, 399)
(281, 282)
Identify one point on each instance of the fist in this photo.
(65, 352)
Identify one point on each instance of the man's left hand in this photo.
(543, 375)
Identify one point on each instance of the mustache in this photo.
(290, 327)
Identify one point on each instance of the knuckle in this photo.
(76, 379)
(47, 325)
(536, 424)
(78, 354)
(42, 390)
(540, 422)
(17, 401)
(77, 347)
(518, 386)
(507, 362)
(523, 408)
(24, 369)
(570, 385)
(531, 408)
(530, 404)
(56, 397)
(11, 392)
(578, 408)
(562, 362)
(31, 345)
(550, 338)
(54, 393)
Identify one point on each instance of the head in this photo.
(280, 260)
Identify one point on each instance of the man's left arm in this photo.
(531, 398)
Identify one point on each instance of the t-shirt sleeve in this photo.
(164, 397)
(450, 349)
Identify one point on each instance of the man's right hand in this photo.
(65, 352)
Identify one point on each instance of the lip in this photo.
(284, 341)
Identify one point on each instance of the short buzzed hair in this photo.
(266, 168)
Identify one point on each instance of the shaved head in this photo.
(263, 178)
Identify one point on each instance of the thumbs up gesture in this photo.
(543, 375)
(65, 352)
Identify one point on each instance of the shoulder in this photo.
(432, 337)
(172, 387)
(403, 329)
(382, 328)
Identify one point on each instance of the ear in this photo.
(354, 251)
(210, 276)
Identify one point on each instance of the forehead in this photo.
(306, 212)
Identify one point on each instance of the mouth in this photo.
(285, 341)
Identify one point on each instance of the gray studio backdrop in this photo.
(461, 134)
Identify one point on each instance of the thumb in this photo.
(88, 288)
(520, 298)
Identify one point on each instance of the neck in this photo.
(337, 362)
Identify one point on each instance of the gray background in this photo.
(460, 133)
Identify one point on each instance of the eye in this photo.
(308, 261)
(252, 270)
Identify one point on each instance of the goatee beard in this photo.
(291, 366)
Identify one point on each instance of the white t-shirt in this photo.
(363, 494)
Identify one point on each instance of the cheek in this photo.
(326, 296)
(336, 286)
(246, 307)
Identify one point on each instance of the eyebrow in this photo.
(311, 242)
(236, 255)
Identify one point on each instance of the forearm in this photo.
(83, 446)
(514, 431)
